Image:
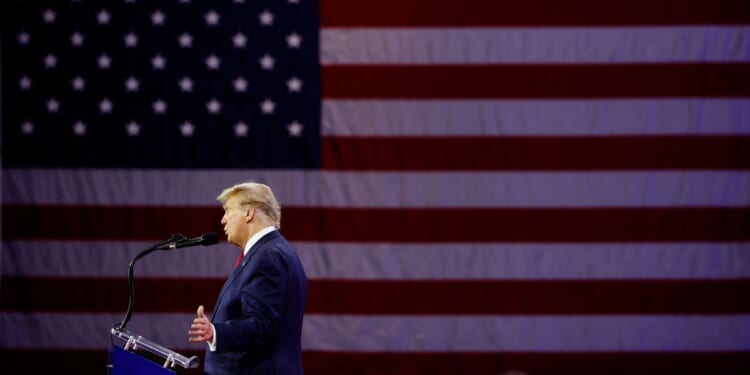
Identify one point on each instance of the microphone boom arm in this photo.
(131, 286)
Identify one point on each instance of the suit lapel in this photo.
(237, 271)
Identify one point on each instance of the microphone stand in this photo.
(159, 246)
(153, 351)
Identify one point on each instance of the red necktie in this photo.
(239, 260)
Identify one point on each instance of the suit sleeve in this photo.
(262, 299)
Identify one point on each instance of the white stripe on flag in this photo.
(90, 331)
(607, 117)
(385, 189)
(535, 45)
(355, 261)
(527, 333)
(111, 259)
(413, 333)
(603, 261)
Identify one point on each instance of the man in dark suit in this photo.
(257, 322)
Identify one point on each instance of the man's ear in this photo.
(249, 215)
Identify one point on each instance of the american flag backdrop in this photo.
(478, 187)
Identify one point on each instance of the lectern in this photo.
(131, 354)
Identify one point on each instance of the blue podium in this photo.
(139, 356)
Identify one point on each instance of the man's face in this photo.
(235, 222)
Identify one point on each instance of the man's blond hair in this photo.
(253, 194)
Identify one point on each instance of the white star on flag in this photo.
(266, 62)
(293, 40)
(239, 40)
(53, 105)
(78, 83)
(157, 18)
(267, 106)
(160, 106)
(23, 38)
(213, 106)
(49, 16)
(131, 84)
(212, 62)
(76, 39)
(240, 84)
(103, 61)
(186, 84)
(79, 128)
(212, 18)
(103, 17)
(27, 127)
(295, 129)
(133, 128)
(187, 129)
(266, 18)
(294, 84)
(241, 129)
(50, 61)
(105, 106)
(131, 40)
(158, 62)
(185, 40)
(24, 83)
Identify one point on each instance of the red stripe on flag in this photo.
(397, 297)
(535, 81)
(133, 223)
(530, 297)
(425, 13)
(391, 225)
(535, 153)
(580, 363)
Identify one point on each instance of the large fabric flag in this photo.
(476, 187)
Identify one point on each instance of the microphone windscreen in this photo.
(210, 239)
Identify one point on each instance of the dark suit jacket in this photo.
(258, 314)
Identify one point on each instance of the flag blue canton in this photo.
(178, 84)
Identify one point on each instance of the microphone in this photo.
(204, 240)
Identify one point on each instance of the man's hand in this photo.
(201, 329)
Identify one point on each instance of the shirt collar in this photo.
(257, 236)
